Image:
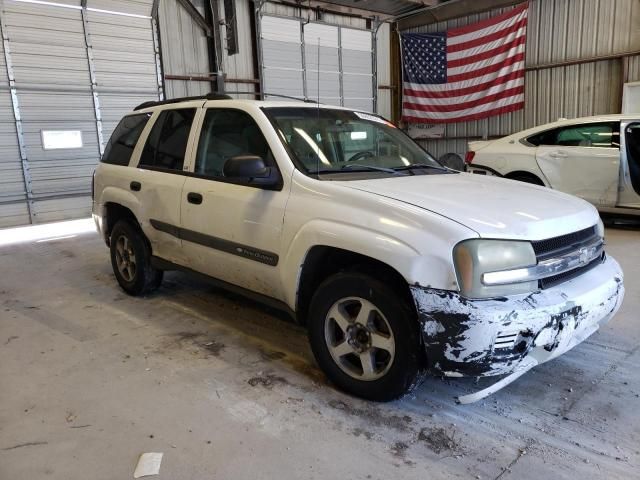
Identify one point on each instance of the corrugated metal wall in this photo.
(184, 50)
(559, 31)
(71, 69)
(240, 66)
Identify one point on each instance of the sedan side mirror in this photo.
(251, 170)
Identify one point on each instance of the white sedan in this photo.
(595, 158)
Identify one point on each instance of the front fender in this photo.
(400, 256)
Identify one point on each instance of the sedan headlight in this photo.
(494, 268)
(600, 228)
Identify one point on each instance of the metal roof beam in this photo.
(449, 10)
(195, 15)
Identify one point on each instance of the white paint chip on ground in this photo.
(148, 464)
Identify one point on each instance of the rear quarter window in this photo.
(603, 135)
(124, 138)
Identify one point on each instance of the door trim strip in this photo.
(255, 254)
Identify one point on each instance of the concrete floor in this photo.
(90, 378)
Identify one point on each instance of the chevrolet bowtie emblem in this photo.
(584, 256)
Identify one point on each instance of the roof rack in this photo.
(209, 96)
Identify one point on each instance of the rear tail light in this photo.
(468, 158)
(93, 186)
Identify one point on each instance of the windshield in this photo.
(327, 141)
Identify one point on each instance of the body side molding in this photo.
(261, 256)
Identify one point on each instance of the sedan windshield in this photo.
(341, 141)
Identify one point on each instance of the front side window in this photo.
(124, 138)
(603, 135)
(167, 142)
(341, 141)
(228, 133)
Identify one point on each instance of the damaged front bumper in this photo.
(510, 335)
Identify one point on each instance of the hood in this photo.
(493, 207)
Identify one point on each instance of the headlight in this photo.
(490, 268)
(600, 228)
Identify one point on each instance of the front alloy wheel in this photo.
(359, 338)
(364, 335)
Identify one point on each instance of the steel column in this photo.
(158, 60)
(92, 76)
(304, 62)
(376, 24)
(341, 77)
(26, 174)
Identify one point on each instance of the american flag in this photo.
(465, 73)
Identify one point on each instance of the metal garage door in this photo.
(357, 75)
(290, 65)
(74, 70)
(13, 194)
(281, 56)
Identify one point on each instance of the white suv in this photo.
(395, 263)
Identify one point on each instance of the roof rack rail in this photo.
(209, 96)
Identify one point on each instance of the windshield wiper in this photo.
(418, 166)
(368, 167)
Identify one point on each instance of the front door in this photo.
(232, 231)
(630, 187)
(583, 160)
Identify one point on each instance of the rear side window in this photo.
(603, 135)
(124, 138)
(167, 142)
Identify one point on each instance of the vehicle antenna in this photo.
(318, 115)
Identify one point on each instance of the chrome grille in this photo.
(564, 277)
(556, 246)
(566, 244)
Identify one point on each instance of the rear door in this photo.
(158, 180)
(582, 159)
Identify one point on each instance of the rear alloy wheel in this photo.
(364, 336)
(131, 260)
(125, 258)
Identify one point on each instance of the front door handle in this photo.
(135, 186)
(194, 198)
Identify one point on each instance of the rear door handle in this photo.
(194, 198)
(558, 154)
(135, 186)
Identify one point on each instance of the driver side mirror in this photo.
(251, 170)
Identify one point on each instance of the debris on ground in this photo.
(267, 381)
(438, 440)
(148, 464)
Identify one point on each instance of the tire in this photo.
(393, 370)
(129, 247)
